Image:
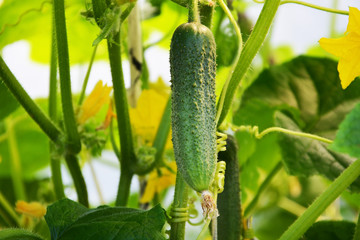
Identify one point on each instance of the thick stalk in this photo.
(124, 188)
(128, 159)
(55, 163)
(193, 11)
(249, 51)
(177, 231)
(49, 128)
(299, 227)
(73, 138)
(79, 182)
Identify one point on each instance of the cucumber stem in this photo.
(177, 231)
(193, 11)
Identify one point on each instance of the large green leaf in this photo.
(308, 90)
(18, 234)
(306, 157)
(330, 230)
(347, 138)
(31, 21)
(69, 220)
(10, 103)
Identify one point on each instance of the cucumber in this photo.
(193, 70)
(229, 220)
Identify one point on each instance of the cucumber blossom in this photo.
(193, 70)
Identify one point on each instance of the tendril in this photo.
(179, 214)
(254, 130)
(7, 25)
(221, 142)
(331, 10)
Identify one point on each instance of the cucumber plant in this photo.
(298, 100)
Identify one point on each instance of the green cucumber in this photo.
(193, 70)
(229, 220)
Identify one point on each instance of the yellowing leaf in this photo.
(93, 103)
(158, 182)
(33, 209)
(347, 49)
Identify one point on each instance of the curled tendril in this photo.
(179, 214)
(7, 25)
(220, 176)
(221, 141)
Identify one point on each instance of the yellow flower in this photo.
(147, 115)
(158, 182)
(33, 209)
(347, 49)
(99, 96)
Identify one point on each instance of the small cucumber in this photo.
(193, 70)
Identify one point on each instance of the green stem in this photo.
(15, 163)
(299, 227)
(126, 12)
(333, 21)
(124, 188)
(73, 138)
(262, 187)
(86, 80)
(79, 182)
(331, 10)
(162, 134)
(233, 22)
(177, 231)
(249, 51)
(357, 230)
(193, 11)
(55, 163)
(240, 48)
(128, 158)
(206, 13)
(49, 128)
(8, 213)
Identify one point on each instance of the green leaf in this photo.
(18, 234)
(347, 138)
(20, 20)
(69, 220)
(330, 230)
(8, 98)
(311, 87)
(308, 90)
(305, 157)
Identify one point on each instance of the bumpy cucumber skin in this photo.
(193, 70)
